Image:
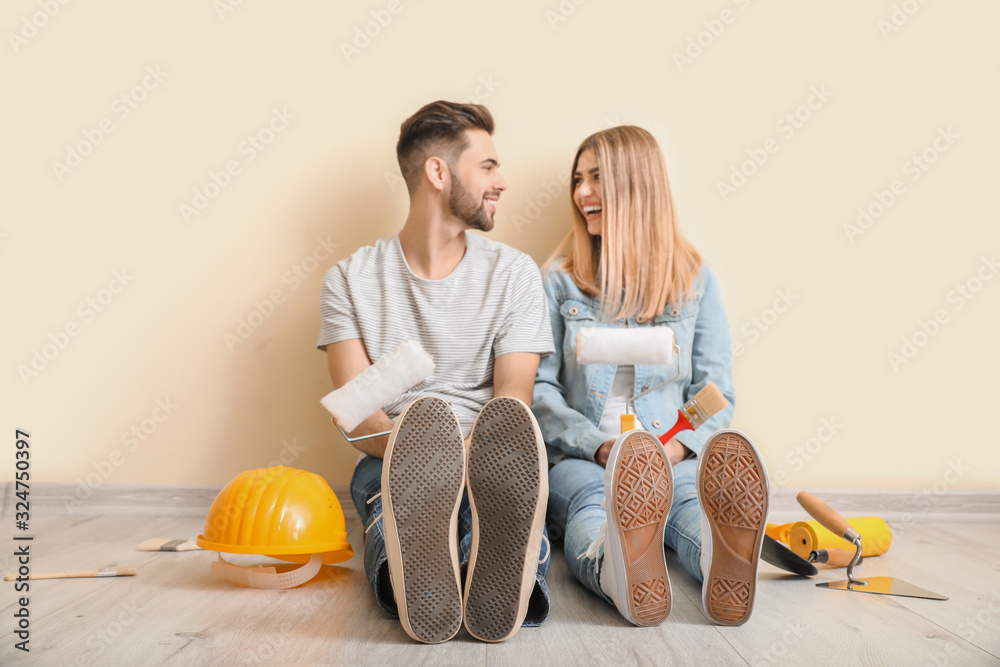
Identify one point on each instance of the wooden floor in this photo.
(176, 612)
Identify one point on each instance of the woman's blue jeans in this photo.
(576, 488)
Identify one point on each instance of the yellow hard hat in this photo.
(281, 512)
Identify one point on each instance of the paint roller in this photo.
(647, 346)
(380, 384)
(805, 537)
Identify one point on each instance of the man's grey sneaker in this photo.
(423, 477)
(508, 491)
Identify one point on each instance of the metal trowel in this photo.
(838, 525)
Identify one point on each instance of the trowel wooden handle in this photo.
(826, 515)
(832, 557)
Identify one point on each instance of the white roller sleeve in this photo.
(625, 347)
(379, 385)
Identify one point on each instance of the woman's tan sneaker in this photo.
(733, 493)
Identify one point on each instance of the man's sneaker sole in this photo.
(423, 477)
(508, 491)
(733, 492)
(639, 497)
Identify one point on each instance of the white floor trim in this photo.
(181, 500)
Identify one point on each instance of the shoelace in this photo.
(376, 519)
(548, 550)
(594, 550)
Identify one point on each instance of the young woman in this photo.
(625, 264)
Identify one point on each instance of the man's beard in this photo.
(464, 206)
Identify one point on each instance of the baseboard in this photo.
(920, 505)
(895, 505)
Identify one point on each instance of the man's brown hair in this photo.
(438, 128)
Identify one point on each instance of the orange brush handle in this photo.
(682, 425)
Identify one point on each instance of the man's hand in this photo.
(602, 454)
(346, 360)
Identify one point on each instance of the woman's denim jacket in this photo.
(569, 397)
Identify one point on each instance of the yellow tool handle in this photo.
(826, 515)
(628, 422)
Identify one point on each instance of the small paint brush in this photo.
(117, 572)
(163, 544)
(697, 411)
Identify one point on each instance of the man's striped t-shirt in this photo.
(491, 304)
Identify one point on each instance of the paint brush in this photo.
(697, 411)
(117, 572)
(163, 544)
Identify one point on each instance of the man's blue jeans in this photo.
(365, 485)
(576, 488)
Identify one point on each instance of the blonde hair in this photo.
(640, 262)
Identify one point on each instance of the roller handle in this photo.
(827, 516)
(832, 557)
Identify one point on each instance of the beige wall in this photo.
(168, 291)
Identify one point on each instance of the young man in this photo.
(478, 308)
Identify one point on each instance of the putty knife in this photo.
(778, 555)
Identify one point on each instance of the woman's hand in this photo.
(676, 451)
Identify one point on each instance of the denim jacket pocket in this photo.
(576, 315)
(672, 313)
(577, 310)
